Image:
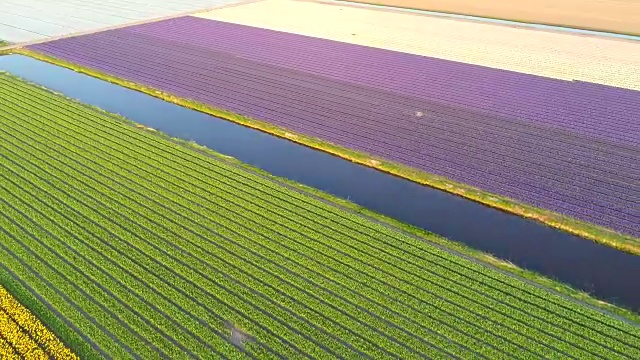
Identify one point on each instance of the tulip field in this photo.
(129, 244)
(571, 147)
(559, 55)
(23, 336)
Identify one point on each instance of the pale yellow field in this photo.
(551, 54)
(619, 16)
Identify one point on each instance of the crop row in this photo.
(195, 67)
(327, 92)
(110, 176)
(211, 321)
(190, 60)
(22, 331)
(576, 177)
(348, 112)
(272, 190)
(413, 75)
(19, 339)
(138, 232)
(475, 159)
(196, 53)
(144, 222)
(532, 52)
(182, 160)
(7, 350)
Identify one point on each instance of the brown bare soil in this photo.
(619, 16)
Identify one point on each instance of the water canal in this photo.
(606, 273)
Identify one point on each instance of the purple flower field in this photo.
(570, 147)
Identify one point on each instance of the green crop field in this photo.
(129, 244)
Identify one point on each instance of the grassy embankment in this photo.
(583, 229)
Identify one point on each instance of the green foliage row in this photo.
(161, 247)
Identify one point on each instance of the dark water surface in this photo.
(606, 273)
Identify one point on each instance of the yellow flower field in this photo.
(22, 335)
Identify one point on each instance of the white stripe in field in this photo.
(31, 20)
(551, 54)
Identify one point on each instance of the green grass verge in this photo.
(580, 228)
(517, 20)
(158, 246)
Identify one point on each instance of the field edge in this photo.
(455, 248)
(583, 229)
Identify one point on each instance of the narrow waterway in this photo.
(607, 273)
